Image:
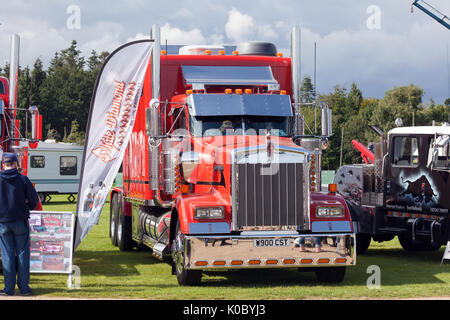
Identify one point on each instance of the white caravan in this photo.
(55, 168)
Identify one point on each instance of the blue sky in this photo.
(377, 47)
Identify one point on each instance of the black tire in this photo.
(124, 238)
(409, 245)
(331, 274)
(113, 219)
(362, 242)
(185, 277)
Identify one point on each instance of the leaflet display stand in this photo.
(51, 240)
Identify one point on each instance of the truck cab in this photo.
(417, 168)
(404, 193)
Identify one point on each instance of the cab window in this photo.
(440, 150)
(406, 152)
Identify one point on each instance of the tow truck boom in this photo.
(432, 12)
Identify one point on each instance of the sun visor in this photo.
(234, 104)
(201, 76)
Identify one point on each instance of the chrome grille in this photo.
(274, 201)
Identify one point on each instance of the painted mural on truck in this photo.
(415, 192)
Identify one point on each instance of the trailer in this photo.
(218, 173)
(404, 192)
(55, 168)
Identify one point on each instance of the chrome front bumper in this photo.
(236, 252)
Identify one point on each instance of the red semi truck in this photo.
(10, 135)
(219, 174)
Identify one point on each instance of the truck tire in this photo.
(185, 276)
(409, 245)
(362, 242)
(331, 274)
(113, 216)
(124, 239)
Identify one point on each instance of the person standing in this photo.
(17, 198)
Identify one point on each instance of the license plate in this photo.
(271, 242)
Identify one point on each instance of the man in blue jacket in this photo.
(17, 198)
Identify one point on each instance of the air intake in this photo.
(257, 49)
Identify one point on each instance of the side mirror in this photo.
(152, 119)
(36, 123)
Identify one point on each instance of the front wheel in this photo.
(124, 238)
(362, 242)
(185, 276)
(331, 274)
(113, 217)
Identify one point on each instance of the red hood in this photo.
(216, 150)
(226, 144)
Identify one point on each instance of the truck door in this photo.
(412, 185)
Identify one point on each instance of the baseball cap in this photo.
(9, 157)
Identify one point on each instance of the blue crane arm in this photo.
(441, 19)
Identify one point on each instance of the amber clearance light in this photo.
(332, 188)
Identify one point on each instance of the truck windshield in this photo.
(206, 126)
(405, 151)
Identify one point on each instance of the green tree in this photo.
(307, 90)
(400, 102)
(38, 76)
(53, 135)
(63, 93)
(75, 136)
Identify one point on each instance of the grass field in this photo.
(107, 272)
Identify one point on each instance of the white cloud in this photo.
(175, 35)
(408, 48)
(239, 27)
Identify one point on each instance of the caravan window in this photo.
(68, 166)
(37, 162)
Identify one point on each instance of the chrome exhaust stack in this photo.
(153, 120)
(13, 76)
(296, 79)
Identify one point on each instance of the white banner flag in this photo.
(113, 108)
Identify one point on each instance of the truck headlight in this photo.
(329, 212)
(210, 213)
